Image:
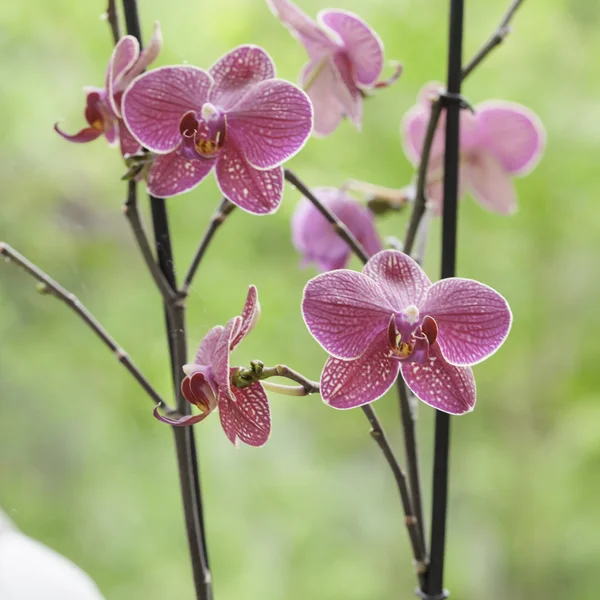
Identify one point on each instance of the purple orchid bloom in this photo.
(389, 318)
(103, 105)
(501, 140)
(236, 118)
(346, 60)
(244, 412)
(316, 240)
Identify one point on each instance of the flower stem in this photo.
(113, 20)
(49, 286)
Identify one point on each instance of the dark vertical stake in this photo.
(435, 578)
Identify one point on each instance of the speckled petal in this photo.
(399, 277)
(249, 317)
(345, 311)
(171, 174)
(249, 414)
(363, 45)
(446, 387)
(473, 319)
(351, 383)
(255, 191)
(155, 102)
(220, 358)
(237, 72)
(271, 123)
(512, 133)
(206, 350)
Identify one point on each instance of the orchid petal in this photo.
(129, 144)
(349, 95)
(184, 421)
(350, 383)
(206, 350)
(271, 122)
(399, 277)
(362, 44)
(236, 72)
(87, 134)
(220, 357)
(155, 102)
(512, 133)
(111, 131)
(255, 191)
(344, 311)
(249, 415)
(249, 317)
(197, 390)
(490, 184)
(172, 174)
(473, 320)
(446, 387)
(316, 41)
(124, 56)
(148, 56)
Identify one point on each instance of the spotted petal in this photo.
(155, 102)
(351, 383)
(249, 317)
(345, 311)
(237, 72)
(446, 387)
(256, 191)
(473, 319)
(399, 277)
(271, 122)
(512, 133)
(361, 42)
(206, 350)
(172, 174)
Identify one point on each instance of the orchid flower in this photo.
(103, 105)
(391, 318)
(317, 241)
(236, 118)
(501, 140)
(345, 62)
(244, 412)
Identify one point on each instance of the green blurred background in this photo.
(86, 469)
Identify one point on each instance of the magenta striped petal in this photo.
(399, 277)
(446, 387)
(363, 45)
(129, 144)
(271, 122)
(473, 319)
(172, 174)
(249, 317)
(344, 311)
(155, 102)
(206, 350)
(236, 72)
(185, 421)
(512, 133)
(349, 95)
(228, 422)
(220, 358)
(316, 41)
(255, 191)
(123, 57)
(351, 383)
(251, 414)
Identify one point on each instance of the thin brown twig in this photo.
(495, 40)
(49, 286)
(113, 20)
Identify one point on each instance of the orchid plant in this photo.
(388, 324)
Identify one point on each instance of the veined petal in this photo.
(512, 133)
(473, 319)
(249, 317)
(129, 144)
(172, 174)
(220, 358)
(490, 184)
(124, 56)
(399, 277)
(206, 350)
(185, 421)
(87, 134)
(271, 122)
(446, 387)
(237, 72)
(363, 45)
(351, 383)
(344, 311)
(255, 191)
(316, 41)
(349, 95)
(247, 418)
(155, 102)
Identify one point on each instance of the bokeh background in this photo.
(86, 469)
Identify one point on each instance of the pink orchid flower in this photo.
(346, 60)
(236, 118)
(103, 105)
(316, 240)
(244, 412)
(501, 140)
(390, 318)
